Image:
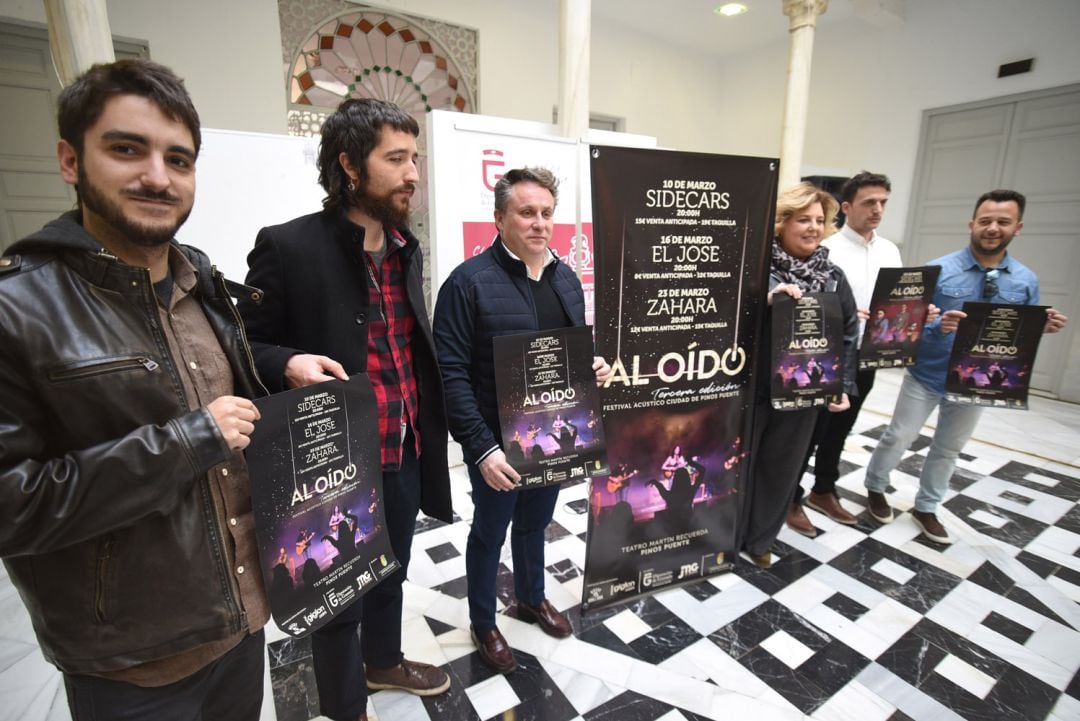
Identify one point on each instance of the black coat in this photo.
(315, 300)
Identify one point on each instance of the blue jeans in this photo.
(531, 512)
(956, 423)
(338, 653)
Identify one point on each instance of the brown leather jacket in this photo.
(107, 525)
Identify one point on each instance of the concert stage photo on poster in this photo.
(316, 492)
(993, 354)
(807, 342)
(682, 245)
(549, 407)
(898, 310)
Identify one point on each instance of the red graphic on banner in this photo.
(492, 166)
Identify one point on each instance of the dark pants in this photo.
(830, 435)
(229, 689)
(531, 512)
(338, 651)
(779, 443)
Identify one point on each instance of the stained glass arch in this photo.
(373, 54)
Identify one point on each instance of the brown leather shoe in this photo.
(494, 650)
(879, 507)
(931, 527)
(829, 504)
(798, 522)
(551, 621)
(421, 679)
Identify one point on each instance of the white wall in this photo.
(227, 51)
(869, 87)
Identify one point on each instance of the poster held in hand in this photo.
(807, 343)
(316, 492)
(549, 407)
(993, 354)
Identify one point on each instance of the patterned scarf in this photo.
(810, 274)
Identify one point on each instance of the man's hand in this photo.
(932, 313)
(950, 319)
(863, 313)
(790, 288)
(235, 418)
(497, 473)
(602, 369)
(842, 406)
(305, 369)
(1055, 321)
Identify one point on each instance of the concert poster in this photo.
(682, 243)
(898, 310)
(549, 407)
(993, 354)
(316, 492)
(807, 350)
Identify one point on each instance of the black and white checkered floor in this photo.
(863, 623)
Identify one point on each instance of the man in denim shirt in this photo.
(985, 272)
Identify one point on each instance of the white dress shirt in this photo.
(861, 260)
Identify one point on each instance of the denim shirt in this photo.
(962, 280)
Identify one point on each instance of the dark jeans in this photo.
(338, 651)
(229, 689)
(531, 512)
(830, 435)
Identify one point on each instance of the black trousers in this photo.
(338, 651)
(830, 435)
(229, 689)
(779, 443)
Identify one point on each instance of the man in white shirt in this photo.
(860, 252)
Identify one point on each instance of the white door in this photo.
(1030, 143)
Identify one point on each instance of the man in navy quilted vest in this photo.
(517, 285)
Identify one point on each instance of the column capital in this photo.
(803, 13)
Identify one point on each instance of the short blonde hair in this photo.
(802, 196)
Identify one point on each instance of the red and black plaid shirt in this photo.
(390, 357)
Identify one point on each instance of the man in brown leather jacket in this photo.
(125, 379)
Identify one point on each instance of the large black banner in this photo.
(316, 490)
(549, 408)
(681, 260)
(898, 310)
(992, 356)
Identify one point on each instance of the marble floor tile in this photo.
(863, 623)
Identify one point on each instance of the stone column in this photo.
(802, 16)
(79, 36)
(574, 29)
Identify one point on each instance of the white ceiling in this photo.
(692, 24)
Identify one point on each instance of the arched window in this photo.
(367, 53)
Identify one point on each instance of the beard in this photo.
(132, 231)
(384, 208)
(979, 249)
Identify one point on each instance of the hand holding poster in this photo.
(807, 343)
(549, 408)
(898, 310)
(993, 354)
(316, 492)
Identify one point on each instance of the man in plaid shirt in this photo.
(343, 294)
